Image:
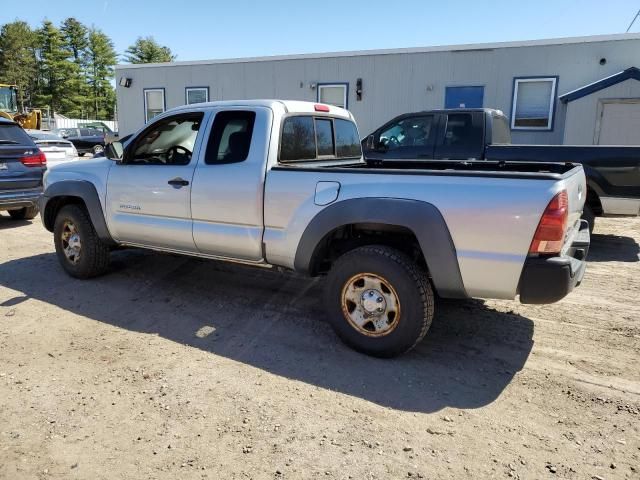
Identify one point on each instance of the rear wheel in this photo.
(80, 251)
(589, 216)
(25, 213)
(97, 149)
(379, 301)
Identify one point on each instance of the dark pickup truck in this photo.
(613, 172)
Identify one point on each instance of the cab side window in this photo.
(462, 137)
(461, 131)
(230, 138)
(167, 142)
(408, 132)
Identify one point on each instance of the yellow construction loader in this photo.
(9, 108)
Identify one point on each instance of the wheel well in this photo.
(348, 237)
(54, 205)
(593, 200)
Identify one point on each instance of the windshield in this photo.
(37, 135)
(8, 100)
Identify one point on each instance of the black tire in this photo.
(94, 255)
(589, 216)
(24, 213)
(406, 279)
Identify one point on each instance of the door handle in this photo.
(178, 182)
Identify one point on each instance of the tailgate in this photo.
(15, 145)
(575, 183)
(13, 174)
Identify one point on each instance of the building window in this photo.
(196, 95)
(333, 94)
(533, 103)
(153, 103)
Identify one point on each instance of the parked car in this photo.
(86, 140)
(283, 184)
(55, 148)
(109, 135)
(613, 172)
(21, 168)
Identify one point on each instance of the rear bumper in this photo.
(19, 198)
(547, 280)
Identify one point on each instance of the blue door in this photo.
(464, 97)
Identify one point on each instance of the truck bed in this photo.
(491, 209)
(478, 168)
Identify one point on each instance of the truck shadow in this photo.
(275, 322)
(613, 248)
(7, 222)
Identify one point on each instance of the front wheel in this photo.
(80, 251)
(25, 213)
(379, 301)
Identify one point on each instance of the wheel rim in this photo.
(370, 304)
(71, 243)
(98, 149)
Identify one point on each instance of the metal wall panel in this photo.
(393, 83)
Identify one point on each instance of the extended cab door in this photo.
(149, 192)
(461, 136)
(228, 186)
(409, 137)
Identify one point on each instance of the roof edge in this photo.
(391, 51)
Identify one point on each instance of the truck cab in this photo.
(452, 134)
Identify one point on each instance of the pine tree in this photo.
(17, 59)
(147, 50)
(100, 59)
(76, 41)
(57, 89)
(75, 35)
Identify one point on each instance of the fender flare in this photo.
(83, 190)
(422, 218)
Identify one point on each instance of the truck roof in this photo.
(289, 106)
(490, 111)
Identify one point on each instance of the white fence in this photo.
(62, 122)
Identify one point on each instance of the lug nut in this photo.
(379, 299)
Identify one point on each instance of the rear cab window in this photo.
(308, 138)
(12, 134)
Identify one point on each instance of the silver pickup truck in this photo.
(283, 183)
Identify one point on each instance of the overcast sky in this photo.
(205, 29)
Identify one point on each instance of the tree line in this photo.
(68, 69)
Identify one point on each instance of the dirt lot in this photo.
(177, 368)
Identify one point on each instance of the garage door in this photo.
(620, 123)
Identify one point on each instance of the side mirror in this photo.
(370, 143)
(114, 151)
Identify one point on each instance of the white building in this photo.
(581, 90)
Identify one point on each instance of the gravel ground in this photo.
(179, 368)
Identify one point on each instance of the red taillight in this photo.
(321, 108)
(551, 230)
(35, 160)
